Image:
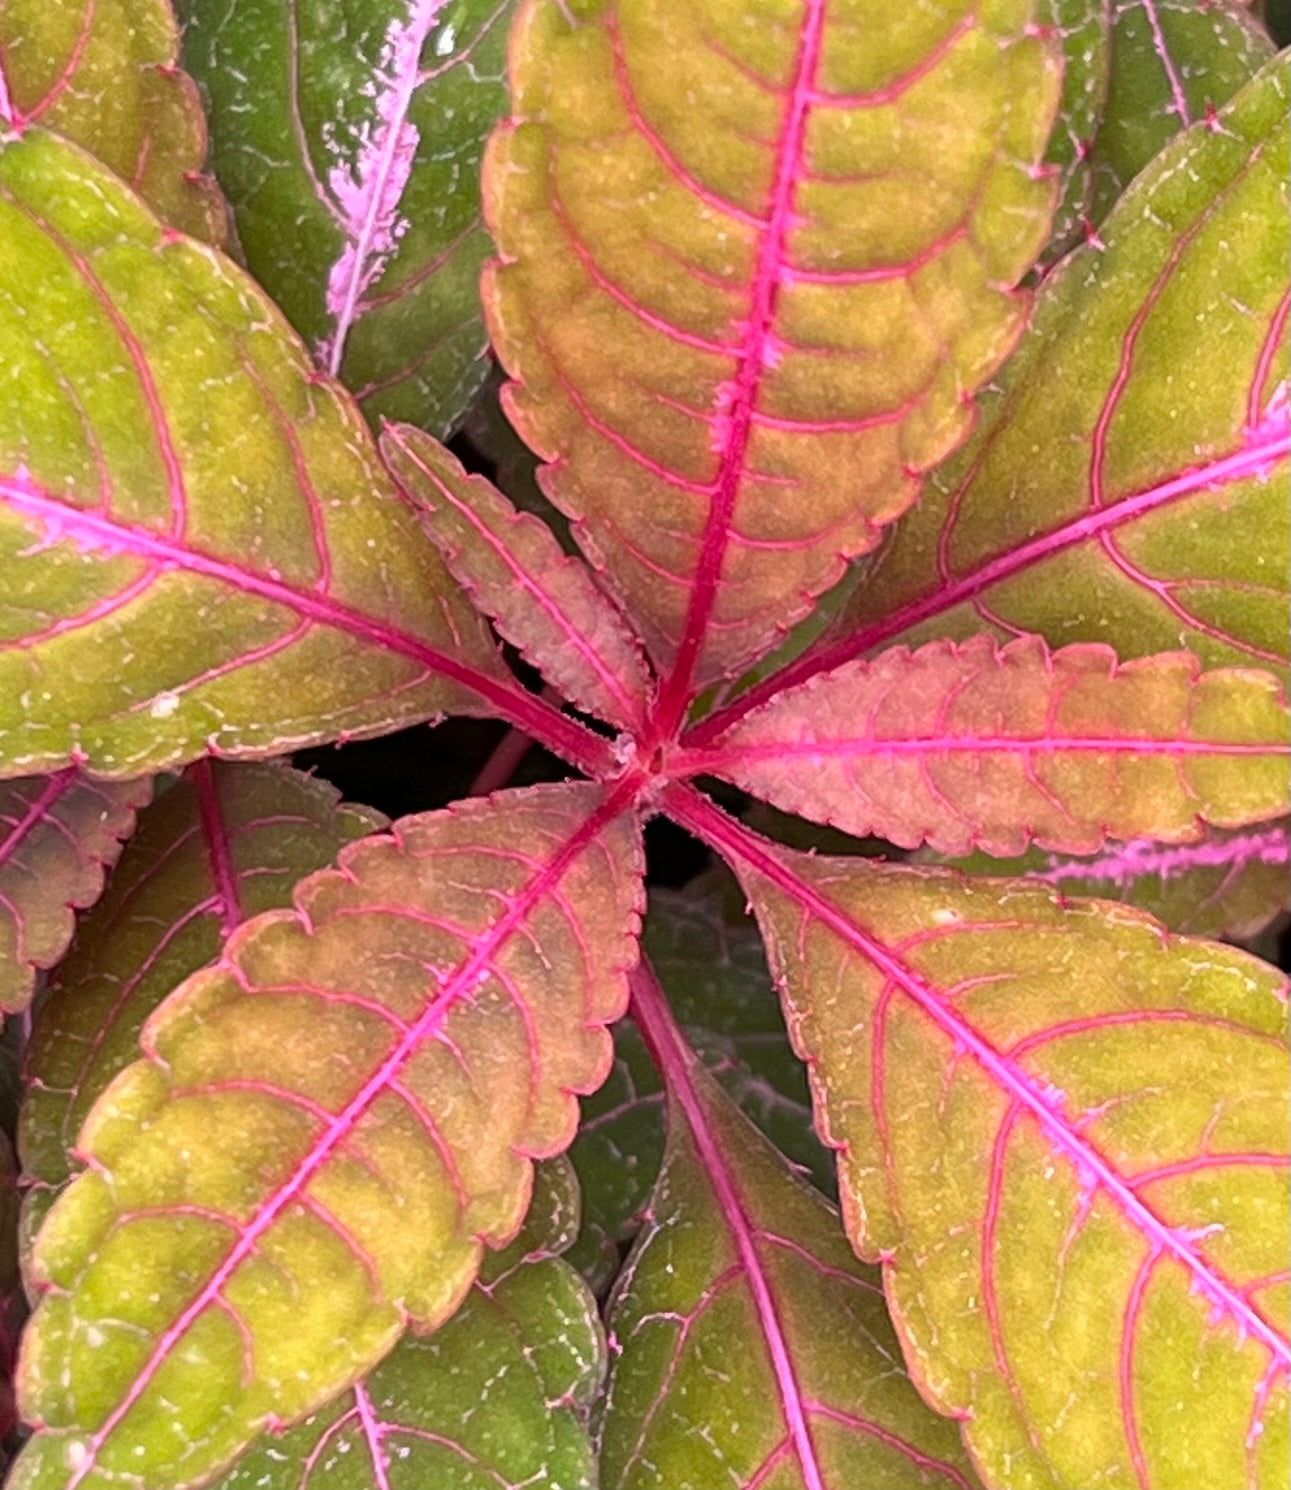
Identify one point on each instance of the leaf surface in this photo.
(1126, 484)
(1092, 1266)
(710, 960)
(199, 548)
(1229, 884)
(497, 1397)
(701, 209)
(1084, 31)
(963, 745)
(750, 1347)
(223, 844)
(544, 602)
(1173, 64)
(104, 73)
(58, 836)
(348, 140)
(326, 1129)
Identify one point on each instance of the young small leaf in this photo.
(1229, 884)
(1065, 1134)
(223, 844)
(1126, 486)
(103, 73)
(495, 1398)
(326, 1129)
(58, 835)
(1173, 65)
(710, 960)
(544, 602)
(348, 139)
(199, 548)
(699, 207)
(750, 1348)
(971, 745)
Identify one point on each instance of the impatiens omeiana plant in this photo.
(907, 386)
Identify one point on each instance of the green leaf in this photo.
(1064, 1132)
(1083, 29)
(223, 844)
(58, 836)
(709, 957)
(104, 73)
(1127, 484)
(544, 602)
(327, 1128)
(496, 1397)
(1173, 64)
(971, 745)
(348, 140)
(696, 205)
(199, 548)
(750, 1348)
(1229, 884)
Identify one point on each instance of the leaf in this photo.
(12, 1303)
(1083, 28)
(326, 1129)
(972, 745)
(58, 835)
(1229, 884)
(105, 74)
(1126, 484)
(1064, 1132)
(199, 548)
(545, 603)
(223, 844)
(693, 214)
(1173, 64)
(496, 1397)
(715, 972)
(749, 1346)
(348, 140)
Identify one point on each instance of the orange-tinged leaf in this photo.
(223, 844)
(971, 745)
(105, 73)
(544, 602)
(754, 260)
(1064, 1132)
(751, 1348)
(327, 1128)
(58, 836)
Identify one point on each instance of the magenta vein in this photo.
(655, 1021)
(719, 831)
(218, 848)
(36, 812)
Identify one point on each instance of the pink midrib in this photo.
(738, 417)
(545, 723)
(1253, 459)
(727, 757)
(37, 810)
(404, 88)
(219, 851)
(1181, 109)
(657, 1027)
(722, 832)
(462, 981)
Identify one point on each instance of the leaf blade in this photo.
(467, 936)
(974, 1026)
(722, 350)
(58, 837)
(741, 1308)
(349, 145)
(968, 745)
(544, 602)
